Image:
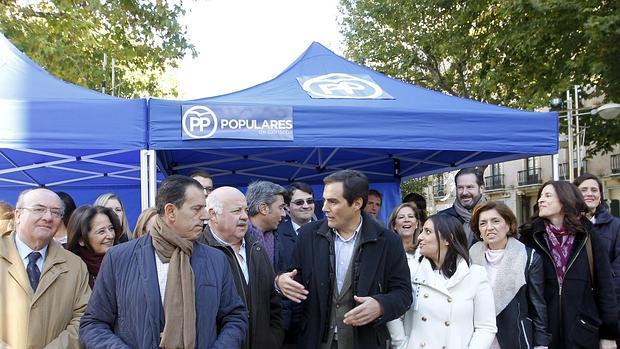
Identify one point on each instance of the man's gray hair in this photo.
(214, 202)
(262, 192)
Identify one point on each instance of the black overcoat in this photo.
(380, 270)
(579, 314)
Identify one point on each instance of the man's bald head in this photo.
(228, 211)
(37, 217)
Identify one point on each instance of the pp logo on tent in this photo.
(342, 86)
(198, 122)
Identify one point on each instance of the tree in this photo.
(70, 38)
(516, 53)
(415, 185)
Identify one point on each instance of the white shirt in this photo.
(344, 251)
(24, 251)
(295, 227)
(241, 256)
(162, 276)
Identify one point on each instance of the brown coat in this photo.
(49, 317)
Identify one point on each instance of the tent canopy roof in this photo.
(418, 132)
(54, 133)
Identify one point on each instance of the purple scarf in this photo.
(560, 242)
(265, 239)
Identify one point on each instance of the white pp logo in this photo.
(199, 122)
(341, 85)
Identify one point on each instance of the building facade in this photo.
(517, 182)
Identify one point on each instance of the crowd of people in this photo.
(215, 267)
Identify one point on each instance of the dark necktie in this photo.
(33, 270)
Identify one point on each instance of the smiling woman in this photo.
(579, 292)
(93, 231)
(453, 302)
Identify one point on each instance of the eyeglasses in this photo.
(41, 210)
(300, 202)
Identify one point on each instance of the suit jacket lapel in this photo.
(150, 283)
(54, 266)
(324, 266)
(372, 254)
(17, 271)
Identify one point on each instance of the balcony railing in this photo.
(564, 171)
(615, 163)
(530, 176)
(439, 190)
(494, 182)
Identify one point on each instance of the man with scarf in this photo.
(469, 194)
(165, 290)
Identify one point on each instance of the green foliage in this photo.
(516, 53)
(70, 38)
(416, 185)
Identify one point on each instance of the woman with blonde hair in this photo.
(145, 222)
(405, 221)
(113, 202)
(7, 214)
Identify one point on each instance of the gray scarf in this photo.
(465, 214)
(510, 274)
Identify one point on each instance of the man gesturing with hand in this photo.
(349, 273)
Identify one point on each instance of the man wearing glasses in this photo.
(43, 288)
(204, 178)
(299, 199)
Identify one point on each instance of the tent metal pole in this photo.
(152, 167)
(144, 180)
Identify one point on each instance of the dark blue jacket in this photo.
(608, 228)
(451, 211)
(380, 271)
(285, 240)
(125, 309)
(291, 311)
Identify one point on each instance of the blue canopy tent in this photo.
(358, 119)
(67, 138)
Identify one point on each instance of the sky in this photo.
(244, 42)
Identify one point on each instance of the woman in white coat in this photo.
(453, 302)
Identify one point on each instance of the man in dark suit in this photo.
(349, 273)
(299, 200)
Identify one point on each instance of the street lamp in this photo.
(606, 111)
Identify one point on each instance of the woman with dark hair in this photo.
(93, 231)
(405, 221)
(579, 292)
(420, 203)
(453, 302)
(516, 277)
(61, 235)
(603, 223)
